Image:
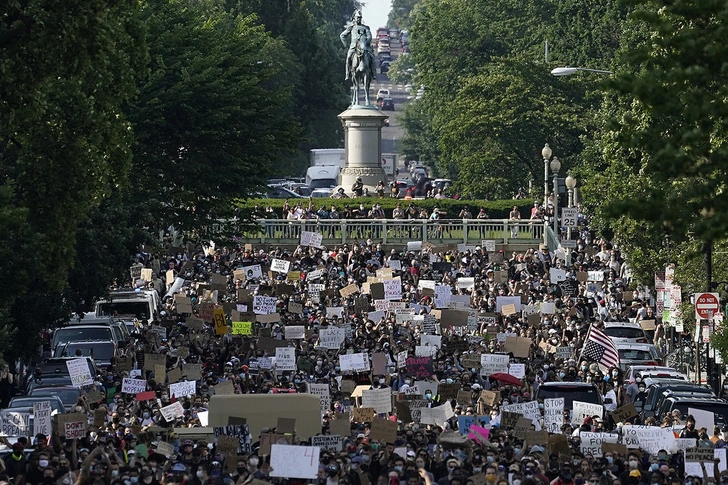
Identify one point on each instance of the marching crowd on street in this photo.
(500, 298)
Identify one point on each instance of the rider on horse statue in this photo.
(351, 35)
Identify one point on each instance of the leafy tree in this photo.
(402, 70)
(488, 132)
(213, 116)
(400, 16)
(65, 142)
(662, 151)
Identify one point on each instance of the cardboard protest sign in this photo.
(624, 413)
(616, 448)
(224, 388)
(363, 415)
(522, 426)
(150, 360)
(295, 307)
(449, 391)
(558, 443)
(327, 442)
(509, 419)
(383, 430)
(340, 425)
(286, 425)
(403, 411)
(269, 439)
(519, 346)
(453, 318)
(75, 429)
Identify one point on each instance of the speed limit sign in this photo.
(569, 216)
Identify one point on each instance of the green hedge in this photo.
(496, 209)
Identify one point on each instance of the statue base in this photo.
(363, 142)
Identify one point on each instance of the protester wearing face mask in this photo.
(36, 471)
(689, 431)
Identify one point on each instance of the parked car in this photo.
(657, 388)
(280, 192)
(637, 354)
(571, 391)
(625, 332)
(387, 104)
(78, 333)
(67, 394)
(653, 371)
(102, 352)
(54, 372)
(27, 402)
(718, 407)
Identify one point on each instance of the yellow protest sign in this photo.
(220, 323)
(242, 328)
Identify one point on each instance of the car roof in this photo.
(89, 342)
(621, 324)
(698, 399)
(660, 368)
(630, 345)
(569, 384)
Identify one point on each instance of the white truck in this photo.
(328, 156)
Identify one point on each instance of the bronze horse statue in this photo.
(362, 71)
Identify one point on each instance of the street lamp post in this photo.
(555, 167)
(571, 185)
(546, 153)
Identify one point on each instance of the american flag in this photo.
(600, 348)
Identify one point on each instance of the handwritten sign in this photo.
(79, 372)
(133, 386)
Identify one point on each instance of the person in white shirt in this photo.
(610, 398)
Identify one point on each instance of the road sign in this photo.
(706, 305)
(569, 217)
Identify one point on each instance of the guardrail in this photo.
(393, 231)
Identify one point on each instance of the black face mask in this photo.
(48, 480)
(241, 470)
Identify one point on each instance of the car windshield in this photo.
(624, 332)
(76, 333)
(140, 309)
(634, 354)
(98, 351)
(67, 395)
(570, 394)
(20, 402)
(322, 183)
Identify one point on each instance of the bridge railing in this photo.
(393, 231)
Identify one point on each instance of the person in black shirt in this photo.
(689, 431)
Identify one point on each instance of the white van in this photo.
(143, 304)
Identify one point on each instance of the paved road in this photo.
(392, 134)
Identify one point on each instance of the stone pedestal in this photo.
(363, 143)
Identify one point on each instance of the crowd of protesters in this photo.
(124, 448)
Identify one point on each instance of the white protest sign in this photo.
(265, 362)
(501, 301)
(556, 275)
(695, 469)
(172, 412)
(703, 419)
(264, 305)
(280, 265)
(414, 246)
(686, 443)
(443, 293)
(412, 390)
(15, 424)
(437, 415)
(354, 362)
(466, 283)
(426, 284)
(376, 316)
(493, 363)
(295, 332)
(528, 409)
(583, 409)
(285, 358)
(184, 388)
(649, 438)
(548, 308)
(402, 359)
(425, 351)
(395, 264)
(553, 414)
(79, 372)
(327, 442)
(313, 239)
(334, 311)
(42, 418)
(431, 340)
(332, 337)
(392, 289)
(488, 245)
(133, 386)
(378, 399)
(595, 276)
(289, 461)
(314, 275)
(75, 429)
(591, 443)
(517, 370)
(324, 394)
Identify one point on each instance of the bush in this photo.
(496, 209)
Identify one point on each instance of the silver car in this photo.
(625, 332)
(637, 354)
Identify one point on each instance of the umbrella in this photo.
(507, 378)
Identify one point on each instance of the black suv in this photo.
(570, 391)
(718, 407)
(656, 389)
